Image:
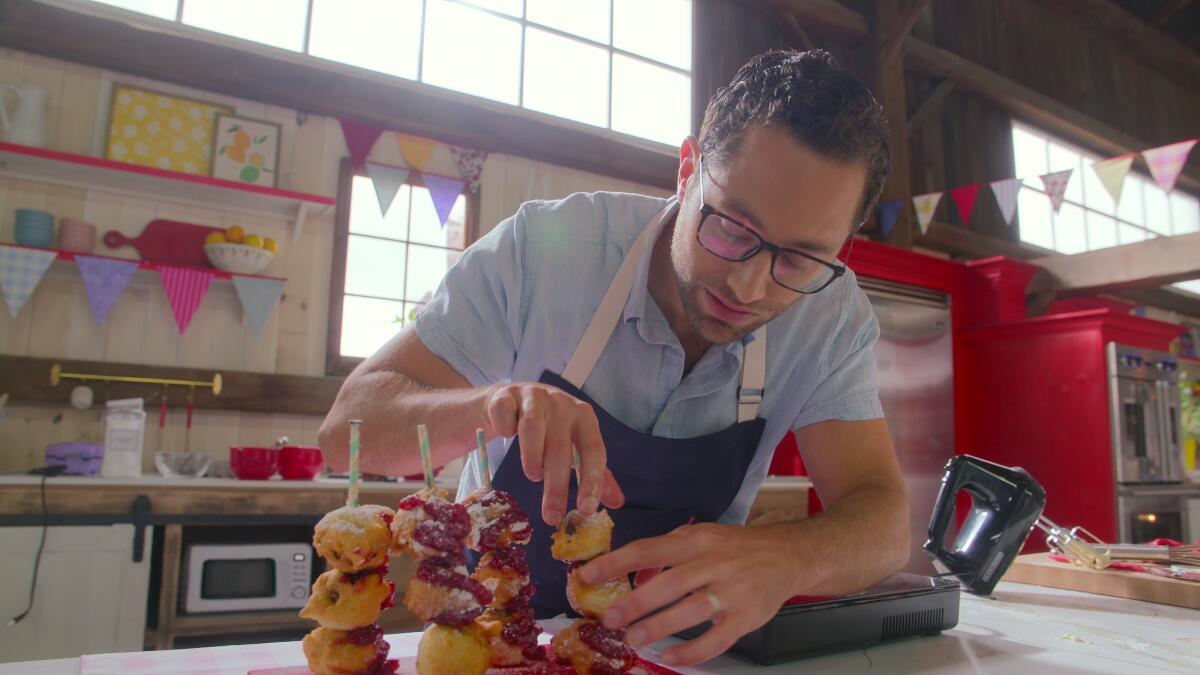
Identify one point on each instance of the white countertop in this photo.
(1021, 629)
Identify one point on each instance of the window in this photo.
(387, 267)
(623, 65)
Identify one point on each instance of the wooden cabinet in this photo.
(90, 596)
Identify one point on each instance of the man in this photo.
(673, 343)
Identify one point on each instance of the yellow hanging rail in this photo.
(56, 375)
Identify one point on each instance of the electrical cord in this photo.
(45, 472)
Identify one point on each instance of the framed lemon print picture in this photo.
(246, 151)
(161, 130)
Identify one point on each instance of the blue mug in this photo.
(34, 228)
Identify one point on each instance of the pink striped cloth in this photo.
(185, 289)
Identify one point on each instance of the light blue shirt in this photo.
(520, 298)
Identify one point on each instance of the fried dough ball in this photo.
(347, 601)
(581, 537)
(362, 651)
(442, 592)
(428, 525)
(496, 521)
(505, 573)
(511, 636)
(593, 649)
(591, 601)
(444, 650)
(355, 538)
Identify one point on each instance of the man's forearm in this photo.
(858, 541)
(391, 405)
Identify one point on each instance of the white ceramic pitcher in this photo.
(27, 124)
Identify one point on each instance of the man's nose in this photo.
(749, 281)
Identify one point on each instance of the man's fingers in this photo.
(664, 551)
(557, 460)
(592, 458)
(610, 493)
(657, 593)
(694, 609)
(531, 428)
(718, 639)
(503, 408)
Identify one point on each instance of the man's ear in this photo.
(689, 154)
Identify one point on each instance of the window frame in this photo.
(335, 362)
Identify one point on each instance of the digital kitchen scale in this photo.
(905, 605)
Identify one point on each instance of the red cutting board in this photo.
(167, 241)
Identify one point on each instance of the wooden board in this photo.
(1040, 570)
(167, 241)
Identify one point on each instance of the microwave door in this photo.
(1171, 459)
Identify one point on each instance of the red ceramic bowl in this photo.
(253, 463)
(300, 463)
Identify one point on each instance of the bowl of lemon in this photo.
(235, 251)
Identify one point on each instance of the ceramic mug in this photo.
(34, 228)
(76, 236)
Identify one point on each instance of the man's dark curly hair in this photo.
(810, 95)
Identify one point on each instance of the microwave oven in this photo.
(247, 577)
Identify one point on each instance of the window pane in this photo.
(1102, 231)
(1062, 159)
(660, 30)
(365, 217)
(1130, 209)
(471, 51)
(1029, 151)
(279, 23)
(426, 267)
(368, 323)
(1192, 286)
(1070, 235)
(379, 35)
(163, 9)
(1094, 192)
(509, 7)
(1033, 218)
(566, 78)
(375, 267)
(587, 18)
(427, 229)
(411, 310)
(1158, 211)
(1127, 234)
(649, 101)
(1185, 214)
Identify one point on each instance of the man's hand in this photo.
(735, 576)
(550, 423)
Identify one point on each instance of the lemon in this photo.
(235, 234)
(215, 238)
(270, 245)
(253, 240)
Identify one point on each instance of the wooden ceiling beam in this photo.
(1165, 10)
(929, 106)
(1168, 56)
(900, 31)
(1147, 264)
(796, 34)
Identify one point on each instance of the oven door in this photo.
(1137, 431)
(1146, 515)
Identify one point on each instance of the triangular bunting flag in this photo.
(925, 205)
(360, 138)
(470, 165)
(259, 296)
(444, 192)
(1056, 187)
(185, 289)
(21, 269)
(964, 199)
(416, 150)
(387, 180)
(1112, 172)
(104, 279)
(1006, 196)
(1167, 161)
(889, 213)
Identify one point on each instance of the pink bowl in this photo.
(253, 463)
(300, 462)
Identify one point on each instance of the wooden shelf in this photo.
(67, 256)
(224, 623)
(87, 172)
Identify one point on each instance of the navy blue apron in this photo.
(667, 482)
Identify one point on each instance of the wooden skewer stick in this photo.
(352, 497)
(481, 449)
(426, 460)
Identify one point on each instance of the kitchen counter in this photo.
(1021, 629)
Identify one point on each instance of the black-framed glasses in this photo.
(726, 238)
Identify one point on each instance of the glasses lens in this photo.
(726, 238)
(801, 274)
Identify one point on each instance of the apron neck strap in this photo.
(595, 338)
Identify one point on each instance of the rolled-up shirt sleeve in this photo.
(848, 392)
(474, 321)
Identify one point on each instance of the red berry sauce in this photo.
(442, 572)
(510, 515)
